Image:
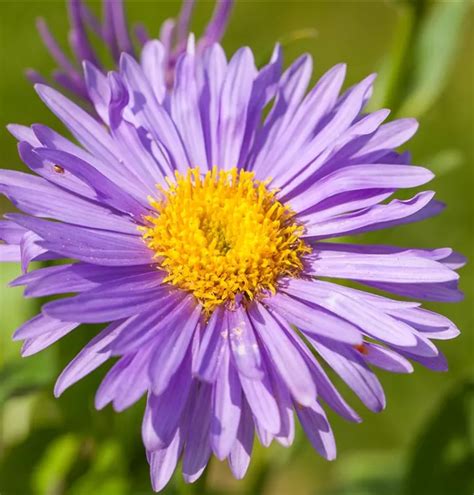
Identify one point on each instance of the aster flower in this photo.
(202, 229)
(115, 34)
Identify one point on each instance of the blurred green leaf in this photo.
(443, 457)
(433, 55)
(51, 471)
(423, 51)
(445, 161)
(14, 310)
(369, 473)
(17, 463)
(107, 473)
(27, 375)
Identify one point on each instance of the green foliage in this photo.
(423, 52)
(443, 458)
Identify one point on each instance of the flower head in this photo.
(115, 34)
(203, 230)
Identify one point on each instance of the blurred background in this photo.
(423, 443)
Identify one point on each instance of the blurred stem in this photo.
(398, 66)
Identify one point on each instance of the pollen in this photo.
(223, 235)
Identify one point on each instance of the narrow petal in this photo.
(153, 62)
(244, 345)
(379, 267)
(360, 177)
(373, 321)
(167, 408)
(315, 320)
(98, 89)
(155, 321)
(163, 462)
(239, 457)
(38, 325)
(284, 356)
(89, 245)
(90, 358)
(226, 408)
(262, 401)
(34, 345)
(198, 449)
(212, 347)
(235, 98)
(110, 301)
(168, 356)
(377, 217)
(384, 358)
(37, 197)
(318, 430)
(351, 368)
(77, 277)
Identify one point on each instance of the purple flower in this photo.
(198, 223)
(114, 32)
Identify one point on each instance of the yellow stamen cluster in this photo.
(223, 234)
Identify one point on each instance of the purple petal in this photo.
(235, 97)
(110, 301)
(315, 320)
(262, 401)
(285, 358)
(239, 457)
(380, 216)
(360, 177)
(90, 358)
(218, 23)
(10, 254)
(169, 354)
(167, 408)
(379, 267)
(84, 128)
(23, 133)
(89, 245)
(37, 197)
(97, 89)
(373, 321)
(36, 344)
(38, 325)
(151, 114)
(212, 347)
(244, 345)
(198, 449)
(326, 390)
(163, 462)
(388, 137)
(153, 63)
(107, 191)
(350, 366)
(318, 430)
(384, 358)
(226, 408)
(155, 321)
(79, 277)
(184, 106)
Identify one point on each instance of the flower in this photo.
(115, 34)
(201, 223)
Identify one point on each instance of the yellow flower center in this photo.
(223, 234)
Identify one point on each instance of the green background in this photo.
(423, 443)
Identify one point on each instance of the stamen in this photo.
(223, 234)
